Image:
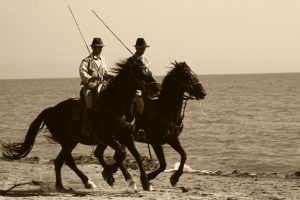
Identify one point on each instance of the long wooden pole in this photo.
(112, 32)
(79, 30)
(125, 47)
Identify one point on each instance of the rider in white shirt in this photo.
(92, 71)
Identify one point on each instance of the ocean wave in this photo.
(151, 164)
(235, 173)
(186, 168)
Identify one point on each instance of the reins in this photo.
(121, 121)
(178, 126)
(142, 83)
(186, 98)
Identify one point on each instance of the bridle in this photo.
(188, 87)
(141, 82)
(178, 125)
(120, 121)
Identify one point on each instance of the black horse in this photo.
(109, 126)
(163, 120)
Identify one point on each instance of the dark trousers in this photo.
(139, 104)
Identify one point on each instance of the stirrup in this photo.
(141, 134)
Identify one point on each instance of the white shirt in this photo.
(91, 64)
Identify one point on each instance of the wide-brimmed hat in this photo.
(97, 42)
(140, 42)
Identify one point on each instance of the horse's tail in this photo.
(15, 151)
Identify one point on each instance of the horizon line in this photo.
(216, 74)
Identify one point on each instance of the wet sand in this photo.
(192, 185)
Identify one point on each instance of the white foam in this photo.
(186, 168)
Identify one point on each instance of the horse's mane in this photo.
(121, 66)
(118, 70)
(175, 67)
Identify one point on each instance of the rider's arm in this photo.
(83, 71)
(145, 61)
(107, 74)
(104, 63)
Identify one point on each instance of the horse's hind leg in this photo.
(58, 163)
(159, 151)
(71, 163)
(126, 174)
(177, 147)
(128, 178)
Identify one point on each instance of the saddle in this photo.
(78, 108)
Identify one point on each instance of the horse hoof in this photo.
(132, 185)
(148, 187)
(173, 180)
(60, 188)
(90, 185)
(108, 178)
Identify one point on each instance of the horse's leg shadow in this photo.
(175, 144)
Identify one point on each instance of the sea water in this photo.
(246, 122)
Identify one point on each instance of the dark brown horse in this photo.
(109, 126)
(163, 120)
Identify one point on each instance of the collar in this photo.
(95, 57)
(138, 56)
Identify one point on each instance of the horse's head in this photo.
(143, 78)
(188, 80)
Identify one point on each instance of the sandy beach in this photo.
(39, 180)
(240, 141)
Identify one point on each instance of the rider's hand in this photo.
(95, 74)
(107, 76)
(92, 83)
(100, 79)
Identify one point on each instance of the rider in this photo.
(140, 48)
(92, 71)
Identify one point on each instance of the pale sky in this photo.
(39, 39)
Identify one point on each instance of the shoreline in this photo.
(192, 185)
(152, 164)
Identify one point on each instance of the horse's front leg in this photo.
(159, 151)
(130, 182)
(175, 143)
(108, 170)
(134, 152)
(107, 173)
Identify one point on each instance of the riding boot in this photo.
(140, 132)
(86, 122)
